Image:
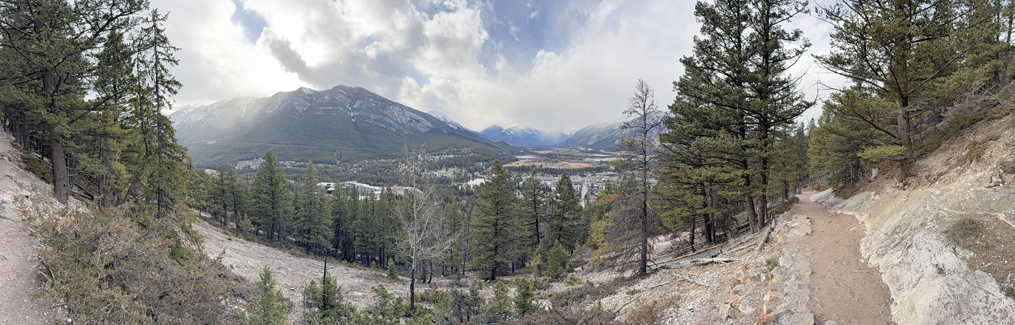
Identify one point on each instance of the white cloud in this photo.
(440, 55)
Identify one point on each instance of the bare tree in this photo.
(634, 220)
(424, 236)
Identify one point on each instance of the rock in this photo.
(1007, 166)
(996, 179)
(729, 312)
(831, 322)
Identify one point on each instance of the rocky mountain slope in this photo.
(310, 124)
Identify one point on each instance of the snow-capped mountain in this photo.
(310, 124)
(517, 136)
(448, 120)
(606, 136)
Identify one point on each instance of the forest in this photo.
(85, 86)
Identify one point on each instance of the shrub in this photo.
(572, 280)
(642, 313)
(557, 261)
(108, 268)
(523, 297)
(977, 147)
(500, 305)
(392, 270)
(269, 309)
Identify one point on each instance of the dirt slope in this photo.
(936, 276)
(19, 278)
(293, 273)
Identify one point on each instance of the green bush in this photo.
(392, 270)
(557, 260)
(572, 280)
(524, 296)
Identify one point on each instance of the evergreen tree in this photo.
(269, 309)
(224, 196)
(776, 101)
(163, 180)
(46, 57)
(366, 230)
(493, 230)
(534, 204)
(896, 49)
(565, 213)
(313, 225)
(344, 217)
(271, 194)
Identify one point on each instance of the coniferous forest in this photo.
(85, 87)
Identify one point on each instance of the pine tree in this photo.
(534, 204)
(565, 213)
(313, 225)
(896, 49)
(269, 309)
(344, 211)
(271, 192)
(164, 162)
(46, 59)
(223, 195)
(493, 230)
(366, 229)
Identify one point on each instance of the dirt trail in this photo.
(19, 278)
(844, 289)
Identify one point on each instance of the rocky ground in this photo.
(246, 259)
(929, 236)
(19, 275)
(807, 272)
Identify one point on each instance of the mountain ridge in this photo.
(309, 124)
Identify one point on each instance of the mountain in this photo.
(444, 118)
(351, 123)
(516, 136)
(606, 136)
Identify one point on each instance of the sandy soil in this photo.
(19, 277)
(843, 287)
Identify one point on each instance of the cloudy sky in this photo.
(545, 64)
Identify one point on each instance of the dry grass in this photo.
(986, 236)
(977, 147)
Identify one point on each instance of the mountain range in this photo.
(344, 123)
(525, 137)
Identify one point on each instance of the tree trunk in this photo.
(905, 138)
(61, 177)
(412, 288)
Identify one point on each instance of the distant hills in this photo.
(607, 136)
(524, 137)
(351, 123)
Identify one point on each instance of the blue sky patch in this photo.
(253, 24)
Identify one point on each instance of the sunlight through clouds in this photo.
(542, 64)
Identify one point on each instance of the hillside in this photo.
(353, 123)
(946, 236)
